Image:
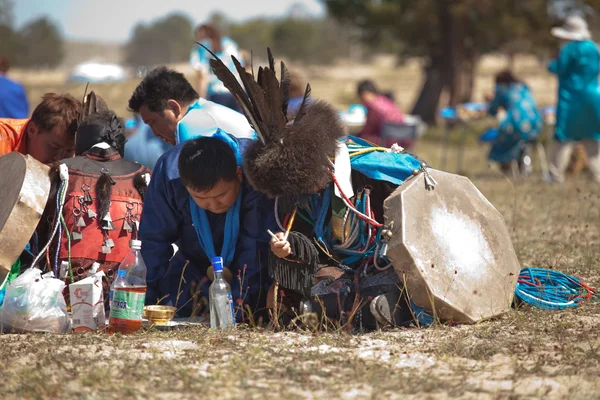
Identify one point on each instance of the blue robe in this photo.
(578, 110)
(13, 99)
(522, 123)
(144, 147)
(166, 219)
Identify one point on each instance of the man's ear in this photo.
(239, 174)
(175, 107)
(32, 130)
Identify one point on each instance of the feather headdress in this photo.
(291, 157)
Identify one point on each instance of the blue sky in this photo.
(112, 20)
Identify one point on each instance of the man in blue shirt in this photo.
(143, 147)
(199, 198)
(168, 103)
(13, 100)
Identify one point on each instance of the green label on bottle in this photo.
(127, 305)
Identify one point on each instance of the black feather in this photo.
(234, 87)
(300, 164)
(140, 185)
(285, 82)
(103, 194)
(259, 80)
(252, 64)
(271, 59)
(257, 99)
(303, 107)
(276, 119)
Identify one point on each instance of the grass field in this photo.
(526, 353)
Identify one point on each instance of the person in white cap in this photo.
(578, 111)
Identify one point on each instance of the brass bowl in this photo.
(159, 315)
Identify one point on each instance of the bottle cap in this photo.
(94, 268)
(217, 264)
(135, 244)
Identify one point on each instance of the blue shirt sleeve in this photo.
(253, 247)
(159, 227)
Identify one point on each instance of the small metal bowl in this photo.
(159, 315)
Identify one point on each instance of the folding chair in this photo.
(391, 132)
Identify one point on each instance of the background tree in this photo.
(450, 36)
(41, 45)
(38, 44)
(166, 40)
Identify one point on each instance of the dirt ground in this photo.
(526, 353)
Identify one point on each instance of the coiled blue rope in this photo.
(551, 290)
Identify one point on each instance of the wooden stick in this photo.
(290, 223)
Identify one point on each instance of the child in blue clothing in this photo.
(200, 200)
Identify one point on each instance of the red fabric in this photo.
(379, 110)
(90, 246)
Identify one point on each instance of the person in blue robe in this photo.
(200, 200)
(143, 146)
(522, 123)
(578, 111)
(13, 99)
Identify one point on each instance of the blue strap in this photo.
(204, 232)
(232, 219)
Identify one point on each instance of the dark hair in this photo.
(57, 110)
(160, 85)
(100, 127)
(213, 33)
(205, 161)
(4, 64)
(366, 85)
(506, 78)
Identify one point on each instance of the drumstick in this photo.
(273, 235)
(290, 223)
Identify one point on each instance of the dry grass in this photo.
(336, 84)
(525, 353)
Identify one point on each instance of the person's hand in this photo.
(281, 248)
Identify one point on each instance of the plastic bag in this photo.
(34, 304)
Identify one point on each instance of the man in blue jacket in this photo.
(200, 199)
(13, 100)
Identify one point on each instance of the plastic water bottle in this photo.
(129, 293)
(222, 315)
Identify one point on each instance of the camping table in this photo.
(462, 114)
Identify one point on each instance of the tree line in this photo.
(38, 44)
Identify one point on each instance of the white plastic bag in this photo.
(34, 304)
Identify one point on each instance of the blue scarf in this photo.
(232, 219)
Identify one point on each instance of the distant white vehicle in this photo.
(96, 72)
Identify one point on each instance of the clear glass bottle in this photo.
(222, 315)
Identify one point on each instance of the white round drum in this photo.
(451, 247)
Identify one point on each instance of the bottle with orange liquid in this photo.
(129, 293)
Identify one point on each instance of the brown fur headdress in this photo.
(291, 157)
